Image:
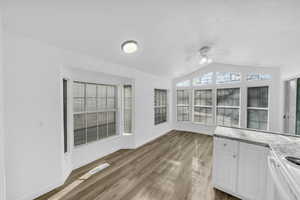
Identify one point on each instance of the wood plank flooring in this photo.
(176, 166)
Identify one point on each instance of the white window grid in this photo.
(231, 107)
(162, 104)
(259, 108)
(97, 111)
(183, 105)
(203, 106)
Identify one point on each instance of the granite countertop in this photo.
(283, 145)
(280, 145)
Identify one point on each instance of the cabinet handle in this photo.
(225, 144)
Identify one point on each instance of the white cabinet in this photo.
(240, 168)
(252, 171)
(225, 164)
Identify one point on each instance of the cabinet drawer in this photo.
(226, 145)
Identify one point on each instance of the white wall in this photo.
(2, 159)
(33, 114)
(274, 101)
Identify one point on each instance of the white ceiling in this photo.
(245, 32)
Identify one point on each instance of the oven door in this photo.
(280, 181)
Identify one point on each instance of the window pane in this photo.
(227, 77)
(228, 117)
(127, 108)
(79, 121)
(111, 97)
(91, 90)
(257, 119)
(92, 127)
(185, 83)
(78, 89)
(258, 77)
(203, 80)
(102, 125)
(228, 97)
(79, 129)
(101, 95)
(160, 106)
(258, 97)
(91, 94)
(182, 113)
(111, 123)
(164, 114)
(203, 115)
(79, 137)
(183, 97)
(65, 113)
(78, 104)
(183, 105)
(157, 115)
(203, 97)
(91, 104)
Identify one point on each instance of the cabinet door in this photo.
(252, 171)
(225, 164)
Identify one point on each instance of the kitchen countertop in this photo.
(280, 145)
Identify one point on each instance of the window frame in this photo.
(161, 106)
(131, 108)
(232, 107)
(203, 106)
(97, 111)
(183, 105)
(258, 108)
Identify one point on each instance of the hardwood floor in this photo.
(176, 166)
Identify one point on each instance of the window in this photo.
(203, 80)
(228, 107)
(160, 106)
(258, 77)
(127, 108)
(203, 106)
(185, 83)
(95, 110)
(65, 113)
(257, 113)
(183, 105)
(227, 77)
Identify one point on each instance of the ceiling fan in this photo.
(200, 56)
(203, 55)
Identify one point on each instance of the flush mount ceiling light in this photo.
(203, 52)
(129, 46)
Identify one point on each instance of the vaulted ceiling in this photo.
(169, 33)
